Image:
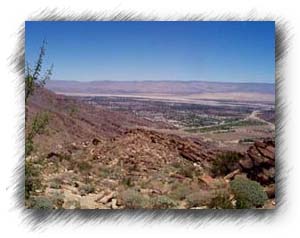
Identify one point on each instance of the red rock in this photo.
(178, 176)
(262, 178)
(231, 175)
(207, 179)
(246, 163)
(270, 190)
(271, 149)
(269, 172)
(260, 144)
(262, 155)
(266, 153)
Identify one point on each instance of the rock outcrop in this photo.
(259, 162)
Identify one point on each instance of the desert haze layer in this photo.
(187, 90)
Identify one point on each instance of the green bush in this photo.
(86, 189)
(225, 163)
(127, 181)
(42, 203)
(133, 199)
(84, 166)
(65, 156)
(57, 198)
(162, 202)
(39, 123)
(32, 179)
(180, 191)
(247, 193)
(200, 198)
(56, 183)
(221, 200)
(104, 172)
(187, 169)
(28, 146)
(73, 110)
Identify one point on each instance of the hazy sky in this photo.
(208, 51)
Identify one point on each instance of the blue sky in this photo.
(206, 51)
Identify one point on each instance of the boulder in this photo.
(208, 180)
(270, 190)
(96, 141)
(246, 163)
(259, 162)
(107, 198)
(114, 203)
(231, 175)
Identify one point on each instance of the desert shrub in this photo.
(104, 171)
(39, 123)
(32, 179)
(144, 183)
(115, 172)
(176, 164)
(86, 189)
(28, 146)
(133, 199)
(218, 184)
(247, 193)
(84, 166)
(162, 202)
(225, 163)
(186, 169)
(127, 181)
(55, 183)
(221, 200)
(73, 110)
(57, 198)
(180, 191)
(42, 203)
(65, 156)
(200, 198)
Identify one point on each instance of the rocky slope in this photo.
(73, 121)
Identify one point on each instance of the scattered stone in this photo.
(114, 203)
(198, 208)
(246, 163)
(156, 191)
(208, 180)
(259, 144)
(270, 190)
(96, 141)
(231, 175)
(107, 198)
(178, 176)
(52, 155)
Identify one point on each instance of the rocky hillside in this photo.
(73, 121)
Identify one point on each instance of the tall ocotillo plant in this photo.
(33, 77)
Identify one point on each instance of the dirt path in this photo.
(254, 116)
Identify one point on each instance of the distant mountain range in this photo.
(158, 87)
